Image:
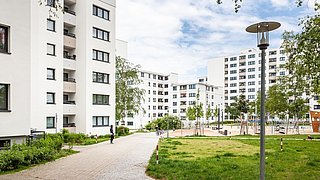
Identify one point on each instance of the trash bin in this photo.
(225, 132)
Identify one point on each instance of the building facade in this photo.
(165, 95)
(56, 70)
(242, 73)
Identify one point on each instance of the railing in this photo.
(69, 102)
(69, 80)
(69, 34)
(67, 56)
(69, 125)
(67, 10)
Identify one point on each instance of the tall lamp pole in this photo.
(262, 30)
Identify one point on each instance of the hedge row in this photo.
(35, 152)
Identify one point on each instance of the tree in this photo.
(162, 123)
(276, 103)
(195, 112)
(55, 7)
(128, 97)
(242, 104)
(191, 115)
(232, 111)
(208, 112)
(216, 112)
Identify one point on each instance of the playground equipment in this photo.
(315, 119)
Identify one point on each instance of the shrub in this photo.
(122, 131)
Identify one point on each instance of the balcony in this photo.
(70, 2)
(69, 19)
(70, 129)
(69, 40)
(69, 86)
(242, 60)
(69, 109)
(69, 63)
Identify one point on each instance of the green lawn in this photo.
(221, 158)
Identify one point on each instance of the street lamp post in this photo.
(262, 30)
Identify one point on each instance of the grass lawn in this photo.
(222, 158)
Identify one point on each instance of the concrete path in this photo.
(126, 159)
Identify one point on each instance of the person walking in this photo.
(112, 134)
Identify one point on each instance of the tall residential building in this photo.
(164, 94)
(242, 73)
(56, 71)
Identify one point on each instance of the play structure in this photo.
(315, 119)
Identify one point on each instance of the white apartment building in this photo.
(164, 94)
(56, 72)
(241, 73)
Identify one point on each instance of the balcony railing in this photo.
(67, 10)
(69, 102)
(69, 34)
(69, 80)
(67, 56)
(69, 125)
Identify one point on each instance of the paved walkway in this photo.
(126, 159)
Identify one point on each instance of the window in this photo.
(251, 90)
(129, 123)
(99, 99)
(100, 55)
(282, 51)
(251, 76)
(251, 63)
(51, 74)
(4, 39)
(100, 121)
(4, 143)
(142, 74)
(233, 58)
(51, 122)
(100, 34)
(233, 91)
(100, 77)
(192, 102)
(251, 69)
(100, 12)
(225, 59)
(233, 71)
(233, 65)
(192, 94)
(154, 107)
(251, 56)
(174, 111)
(174, 88)
(154, 85)
(192, 86)
(154, 92)
(233, 85)
(233, 78)
(154, 99)
(272, 52)
(282, 58)
(272, 59)
(251, 83)
(50, 98)
(51, 49)
(154, 76)
(51, 3)
(51, 25)
(174, 103)
(4, 97)
(174, 96)
(251, 96)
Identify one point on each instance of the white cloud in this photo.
(181, 35)
(281, 3)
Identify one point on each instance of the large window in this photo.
(100, 34)
(50, 122)
(100, 12)
(4, 39)
(4, 97)
(51, 25)
(51, 49)
(100, 77)
(100, 121)
(192, 86)
(100, 55)
(50, 98)
(99, 99)
(51, 74)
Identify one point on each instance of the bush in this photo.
(122, 131)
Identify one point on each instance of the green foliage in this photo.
(162, 123)
(122, 131)
(196, 111)
(276, 102)
(242, 104)
(128, 97)
(233, 111)
(35, 152)
(216, 111)
(208, 112)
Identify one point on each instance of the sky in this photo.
(181, 36)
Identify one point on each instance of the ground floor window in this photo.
(5, 143)
(4, 97)
(100, 121)
(130, 123)
(50, 122)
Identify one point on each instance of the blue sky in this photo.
(181, 36)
